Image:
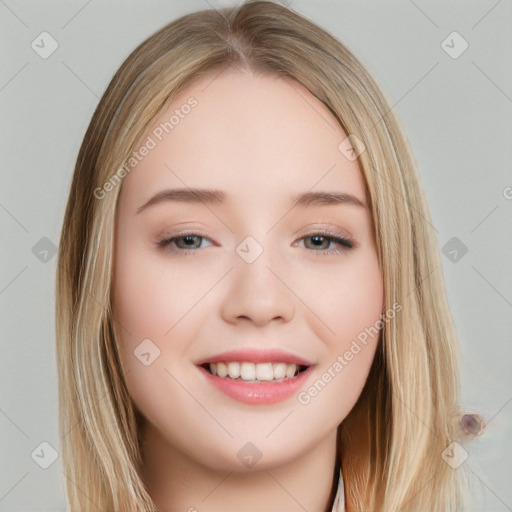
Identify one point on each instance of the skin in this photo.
(258, 139)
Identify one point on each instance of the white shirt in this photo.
(339, 500)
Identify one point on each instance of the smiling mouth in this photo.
(254, 372)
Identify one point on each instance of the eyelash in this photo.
(345, 243)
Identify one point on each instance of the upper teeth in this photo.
(254, 371)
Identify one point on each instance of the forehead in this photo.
(257, 135)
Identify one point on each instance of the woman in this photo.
(213, 354)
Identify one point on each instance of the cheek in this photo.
(148, 303)
(359, 298)
(149, 297)
(344, 299)
(350, 308)
(141, 304)
(160, 301)
(360, 305)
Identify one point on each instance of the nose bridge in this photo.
(257, 291)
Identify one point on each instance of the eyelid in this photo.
(311, 228)
(343, 242)
(171, 233)
(164, 239)
(328, 230)
(327, 234)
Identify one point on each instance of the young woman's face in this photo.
(253, 274)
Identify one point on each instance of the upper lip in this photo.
(256, 356)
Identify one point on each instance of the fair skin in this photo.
(259, 139)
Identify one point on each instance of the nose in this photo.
(258, 292)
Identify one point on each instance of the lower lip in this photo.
(263, 393)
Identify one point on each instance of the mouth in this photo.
(262, 383)
(254, 373)
(256, 376)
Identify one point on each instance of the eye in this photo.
(321, 241)
(186, 242)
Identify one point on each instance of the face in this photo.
(255, 272)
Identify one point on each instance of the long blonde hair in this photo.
(391, 442)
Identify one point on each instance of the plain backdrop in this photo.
(455, 107)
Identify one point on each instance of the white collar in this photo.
(339, 500)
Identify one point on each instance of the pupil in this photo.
(319, 239)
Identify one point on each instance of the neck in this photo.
(178, 483)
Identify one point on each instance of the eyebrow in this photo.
(213, 196)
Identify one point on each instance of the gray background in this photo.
(456, 112)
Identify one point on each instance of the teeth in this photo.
(264, 371)
(254, 372)
(279, 370)
(248, 371)
(222, 369)
(234, 370)
(290, 370)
